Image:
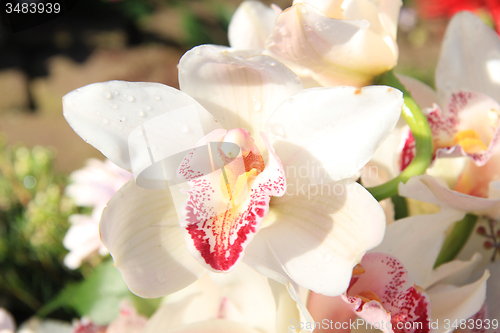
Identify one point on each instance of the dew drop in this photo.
(148, 108)
(97, 113)
(297, 80)
(130, 98)
(291, 100)
(277, 130)
(122, 119)
(78, 90)
(182, 127)
(113, 106)
(140, 113)
(158, 98)
(104, 121)
(257, 105)
(160, 277)
(327, 257)
(106, 94)
(303, 10)
(116, 93)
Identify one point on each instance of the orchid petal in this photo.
(455, 272)
(334, 49)
(242, 295)
(424, 95)
(313, 237)
(396, 300)
(105, 114)
(331, 8)
(240, 91)
(215, 326)
(428, 189)
(250, 25)
(417, 240)
(217, 230)
(334, 309)
(357, 120)
(452, 303)
(140, 229)
(466, 61)
(466, 111)
(382, 15)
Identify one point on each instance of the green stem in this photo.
(421, 131)
(456, 239)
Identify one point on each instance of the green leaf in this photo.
(99, 296)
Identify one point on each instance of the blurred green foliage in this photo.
(33, 222)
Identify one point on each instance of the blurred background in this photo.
(101, 40)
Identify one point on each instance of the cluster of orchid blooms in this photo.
(268, 219)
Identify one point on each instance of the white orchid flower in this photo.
(242, 300)
(397, 283)
(333, 42)
(91, 186)
(463, 114)
(307, 236)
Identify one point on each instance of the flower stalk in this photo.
(421, 131)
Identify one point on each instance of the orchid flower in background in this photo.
(326, 42)
(91, 186)
(463, 114)
(397, 284)
(240, 301)
(310, 236)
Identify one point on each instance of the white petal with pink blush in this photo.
(227, 215)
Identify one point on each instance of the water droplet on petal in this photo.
(104, 121)
(113, 106)
(161, 278)
(78, 90)
(158, 98)
(97, 113)
(122, 119)
(106, 94)
(291, 100)
(116, 93)
(140, 113)
(257, 105)
(278, 130)
(303, 10)
(183, 127)
(297, 80)
(327, 257)
(148, 108)
(130, 98)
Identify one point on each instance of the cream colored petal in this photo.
(318, 237)
(105, 114)
(456, 303)
(334, 49)
(250, 26)
(470, 58)
(417, 240)
(240, 90)
(140, 229)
